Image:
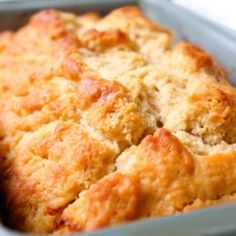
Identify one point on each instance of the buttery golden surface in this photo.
(104, 120)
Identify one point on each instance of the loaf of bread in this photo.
(105, 120)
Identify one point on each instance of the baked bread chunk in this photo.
(104, 120)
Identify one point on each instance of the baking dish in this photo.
(214, 221)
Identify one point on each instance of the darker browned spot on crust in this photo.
(100, 40)
(92, 90)
(73, 68)
(200, 58)
(49, 22)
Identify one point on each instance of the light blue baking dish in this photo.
(188, 26)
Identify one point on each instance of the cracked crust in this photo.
(82, 103)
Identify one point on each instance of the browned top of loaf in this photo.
(82, 103)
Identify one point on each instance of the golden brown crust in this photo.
(52, 168)
(170, 180)
(80, 101)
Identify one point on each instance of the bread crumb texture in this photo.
(104, 120)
